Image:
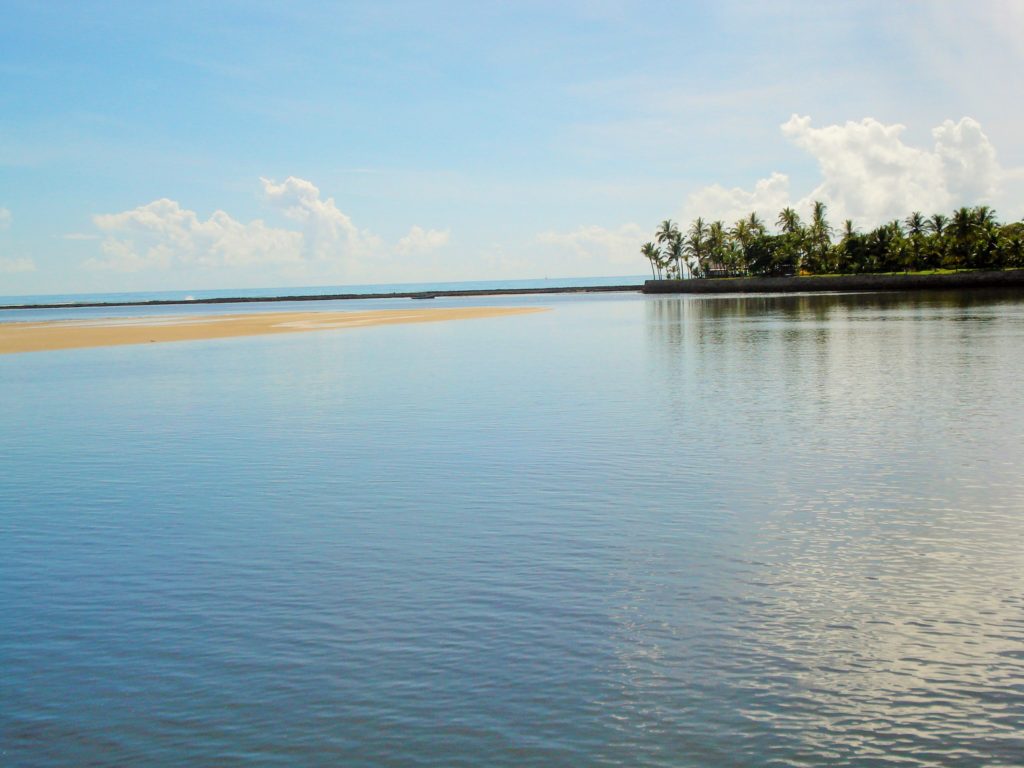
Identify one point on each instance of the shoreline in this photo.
(331, 297)
(840, 283)
(53, 335)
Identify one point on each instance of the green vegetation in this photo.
(971, 238)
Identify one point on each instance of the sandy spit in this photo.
(105, 332)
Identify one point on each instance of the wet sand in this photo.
(105, 332)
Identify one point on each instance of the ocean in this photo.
(628, 531)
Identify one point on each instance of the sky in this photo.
(193, 145)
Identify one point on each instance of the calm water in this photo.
(629, 531)
(318, 290)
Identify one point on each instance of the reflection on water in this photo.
(665, 531)
(873, 605)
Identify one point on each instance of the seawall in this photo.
(841, 283)
(333, 297)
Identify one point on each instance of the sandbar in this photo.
(105, 332)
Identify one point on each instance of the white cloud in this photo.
(869, 174)
(5, 218)
(325, 245)
(327, 232)
(421, 240)
(16, 265)
(767, 198)
(163, 235)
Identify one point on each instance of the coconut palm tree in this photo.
(652, 254)
(792, 239)
(819, 239)
(916, 229)
(667, 236)
(936, 251)
(742, 235)
(986, 237)
(789, 221)
(963, 231)
(695, 247)
(717, 251)
(851, 249)
(755, 224)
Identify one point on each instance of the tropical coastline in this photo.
(842, 283)
(968, 239)
(105, 332)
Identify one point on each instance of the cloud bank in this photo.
(868, 173)
(163, 235)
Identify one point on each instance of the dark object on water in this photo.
(424, 296)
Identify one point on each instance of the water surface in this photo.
(637, 531)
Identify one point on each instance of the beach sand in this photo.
(104, 332)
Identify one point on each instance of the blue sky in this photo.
(157, 146)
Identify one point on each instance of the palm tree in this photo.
(820, 238)
(792, 230)
(742, 235)
(850, 249)
(695, 246)
(789, 221)
(937, 224)
(667, 235)
(674, 252)
(963, 232)
(986, 237)
(916, 226)
(651, 252)
(717, 242)
(755, 224)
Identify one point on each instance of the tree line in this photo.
(971, 238)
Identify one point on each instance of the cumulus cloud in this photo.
(870, 174)
(421, 240)
(767, 198)
(327, 232)
(12, 266)
(162, 235)
(325, 244)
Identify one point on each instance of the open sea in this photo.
(628, 531)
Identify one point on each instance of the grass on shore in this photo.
(918, 272)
